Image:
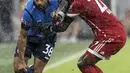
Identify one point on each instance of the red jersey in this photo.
(109, 33)
(102, 21)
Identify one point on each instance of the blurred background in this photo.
(71, 43)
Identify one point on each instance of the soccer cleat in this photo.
(30, 69)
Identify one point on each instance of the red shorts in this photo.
(104, 48)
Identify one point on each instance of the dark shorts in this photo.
(42, 50)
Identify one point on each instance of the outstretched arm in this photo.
(20, 64)
(22, 41)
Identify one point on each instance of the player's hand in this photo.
(59, 17)
(22, 66)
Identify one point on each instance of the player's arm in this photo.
(65, 19)
(22, 41)
(61, 20)
(67, 14)
(25, 26)
(64, 25)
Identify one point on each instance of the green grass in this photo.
(119, 63)
(69, 67)
(61, 51)
(6, 57)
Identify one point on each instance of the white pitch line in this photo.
(74, 56)
(64, 60)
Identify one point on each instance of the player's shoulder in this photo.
(25, 15)
(27, 9)
(76, 7)
(77, 4)
(54, 2)
(29, 5)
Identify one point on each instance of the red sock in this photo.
(92, 69)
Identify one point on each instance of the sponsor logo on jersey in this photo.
(102, 52)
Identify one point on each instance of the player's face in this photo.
(41, 3)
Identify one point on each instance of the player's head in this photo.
(41, 4)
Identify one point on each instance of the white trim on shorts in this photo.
(99, 47)
(96, 54)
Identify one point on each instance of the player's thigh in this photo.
(43, 51)
(42, 55)
(28, 52)
(103, 49)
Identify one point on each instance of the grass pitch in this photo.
(119, 63)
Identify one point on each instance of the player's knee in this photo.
(87, 60)
(79, 64)
(37, 70)
(82, 63)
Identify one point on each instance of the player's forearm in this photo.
(64, 25)
(61, 28)
(21, 45)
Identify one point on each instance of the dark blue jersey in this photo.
(38, 16)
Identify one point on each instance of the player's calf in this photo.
(39, 65)
(87, 62)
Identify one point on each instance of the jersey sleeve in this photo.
(76, 8)
(27, 20)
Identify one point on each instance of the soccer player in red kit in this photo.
(109, 33)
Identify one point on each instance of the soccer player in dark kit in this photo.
(36, 36)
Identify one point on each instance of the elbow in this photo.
(64, 29)
(59, 29)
